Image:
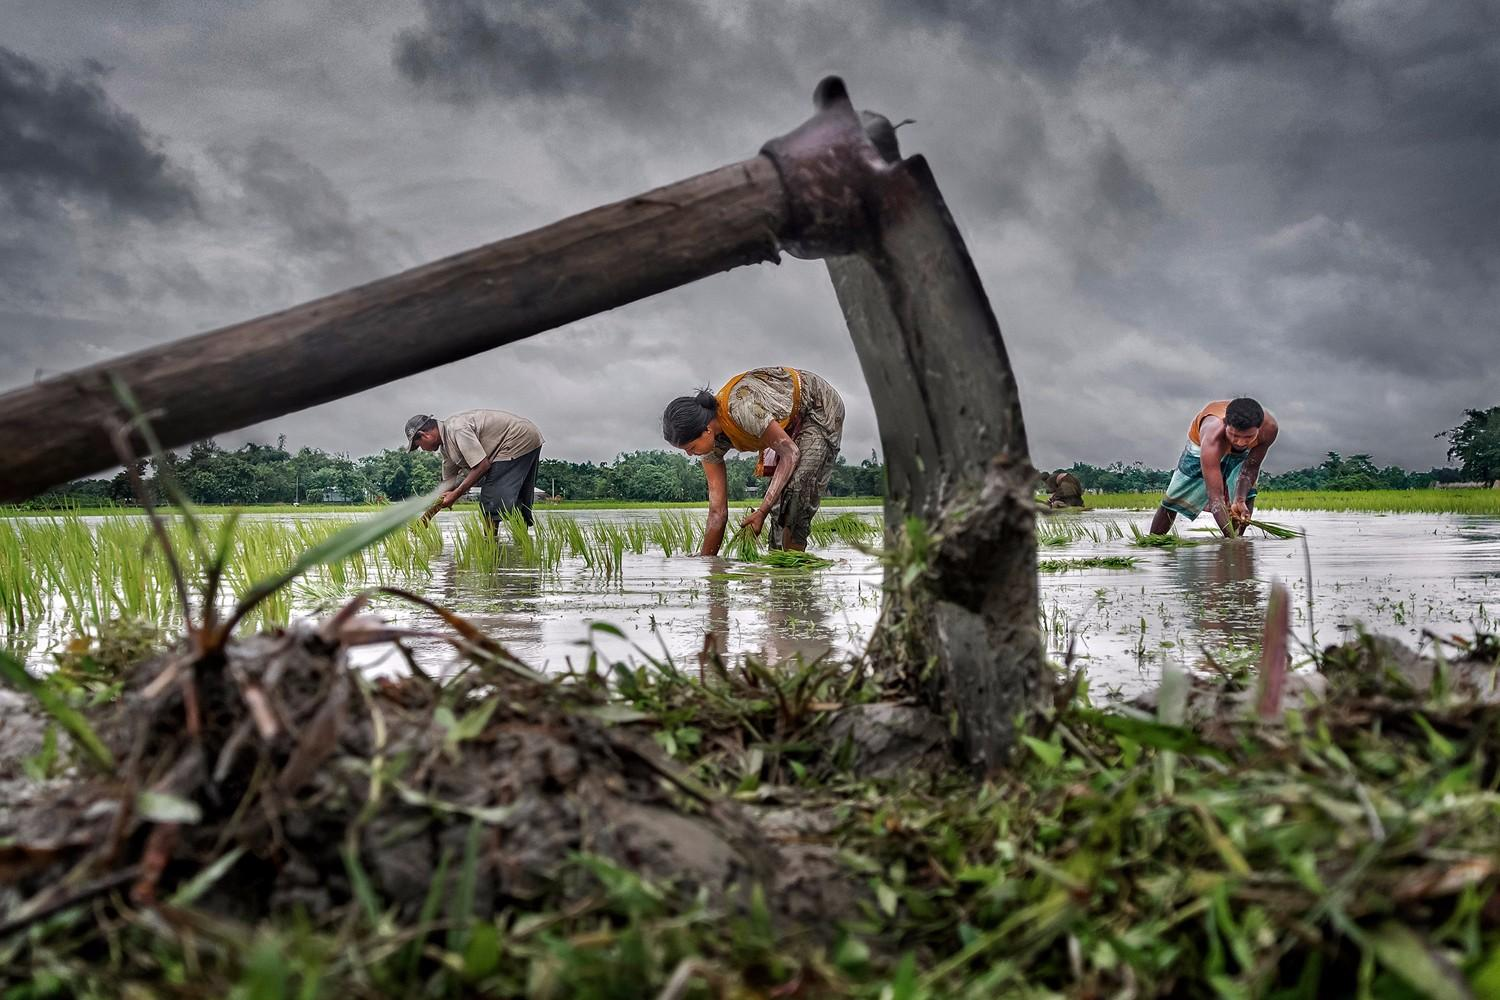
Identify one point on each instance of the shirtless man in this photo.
(1227, 441)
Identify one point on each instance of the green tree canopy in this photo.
(1476, 444)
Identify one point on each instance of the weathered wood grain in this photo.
(55, 430)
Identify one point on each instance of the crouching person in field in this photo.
(792, 418)
(1063, 490)
(497, 451)
(1227, 441)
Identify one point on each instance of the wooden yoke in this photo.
(963, 633)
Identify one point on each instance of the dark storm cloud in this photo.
(61, 137)
(1337, 233)
(79, 177)
(633, 58)
(1168, 201)
(468, 48)
(300, 208)
(109, 243)
(1057, 39)
(1209, 190)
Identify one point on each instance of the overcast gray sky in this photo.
(1169, 201)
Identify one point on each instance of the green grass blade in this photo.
(14, 673)
(359, 884)
(200, 883)
(341, 545)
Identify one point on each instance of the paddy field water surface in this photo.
(602, 580)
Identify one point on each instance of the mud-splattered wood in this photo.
(962, 635)
(54, 430)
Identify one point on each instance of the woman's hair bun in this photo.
(707, 400)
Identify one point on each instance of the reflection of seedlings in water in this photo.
(1056, 622)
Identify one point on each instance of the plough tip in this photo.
(831, 90)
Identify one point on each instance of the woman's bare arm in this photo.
(718, 507)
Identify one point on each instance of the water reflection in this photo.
(504, 603)
(1223, 594)
(716, 621)
(1397, 574)
(796, 618)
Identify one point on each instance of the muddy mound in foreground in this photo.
(320, 783)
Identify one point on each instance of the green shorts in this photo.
(1187, 494)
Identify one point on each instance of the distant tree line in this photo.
(666, 476)
(266, 474)
(1357, 472)
(263, 474)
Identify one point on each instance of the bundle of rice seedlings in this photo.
(1093, 562)
(1273, 529)
(1167, 541)
(789, 559)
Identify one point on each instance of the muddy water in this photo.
(1400, 574)
(1397, 574)
(659, 608)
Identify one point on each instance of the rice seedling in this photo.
(78, 573)
(1268, 527)
(1092, 562)
(573, 536)
(848, 528)
(1273, 529)
(743, 546)
(609, 549)
(791, 559)
(636, 535)
(1052, 530)
(1171, 540)
(411, 553)
(21, 597)
(676, 532)
(481, 547)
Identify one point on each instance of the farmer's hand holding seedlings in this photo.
(754, 522)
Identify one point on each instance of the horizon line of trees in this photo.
(266, 474)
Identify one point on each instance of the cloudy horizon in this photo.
(1167, 202)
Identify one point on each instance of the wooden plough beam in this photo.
(963, 634)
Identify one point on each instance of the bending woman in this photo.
(792, 418)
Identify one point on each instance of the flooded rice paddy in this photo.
(1399, 574)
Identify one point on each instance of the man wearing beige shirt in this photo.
(495, 450)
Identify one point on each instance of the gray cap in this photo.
(414, 425)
